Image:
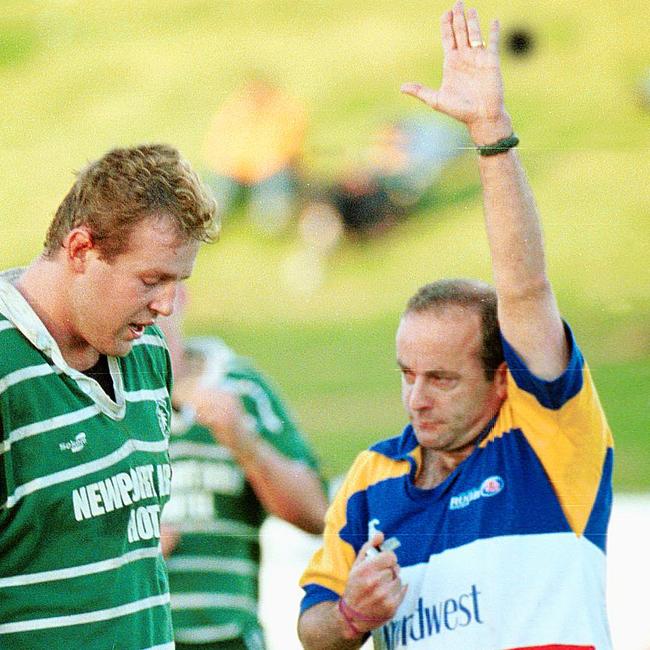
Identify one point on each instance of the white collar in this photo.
(14, 306)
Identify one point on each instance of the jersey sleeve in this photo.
(345, 532)
(565, 425)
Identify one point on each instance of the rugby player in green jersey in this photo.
(85, 409)
(236, 455)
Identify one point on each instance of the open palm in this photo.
(472, 88)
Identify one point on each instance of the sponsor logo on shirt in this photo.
(434, 618)
(126, 490)
(490, 487)
(76, 444)
(164, 416)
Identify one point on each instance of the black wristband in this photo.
(498, 147)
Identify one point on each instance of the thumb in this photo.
(423, 93)
(370, 544)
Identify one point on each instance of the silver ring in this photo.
(477, 44)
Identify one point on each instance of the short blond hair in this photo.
(111, 195)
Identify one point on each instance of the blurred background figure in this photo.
(401, 168)
(236, 456)
(643, 90)
(253, 150)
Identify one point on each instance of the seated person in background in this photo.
(253, 148)
(408, 156)
(401, 166)
(236, 456)
(643, 90)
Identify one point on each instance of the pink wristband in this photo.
(348, 621)
(349, 613)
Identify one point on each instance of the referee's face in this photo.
(444, 388)
(116, 299)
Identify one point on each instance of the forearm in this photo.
(322, 627)
(528, 311)
(286, 488)
(511, 217)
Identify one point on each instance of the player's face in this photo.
(115, 300)
(444, 389)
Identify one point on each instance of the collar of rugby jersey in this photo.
(14, 306)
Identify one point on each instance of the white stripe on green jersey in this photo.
(83, 570)
(86, 617)
(150, 339)
(208, 633)
(25, 373)
(111, 460)
(217, 527)
(203, 563)
(83, 478)
(205, 600)
(199, 450)
(42, 426)
(146, 395)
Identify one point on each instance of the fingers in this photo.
(462, 31)
(493, 41)
(459, 25)
(373, 543)
(384, 560)
(374, 589)
(424, 94)
(392, 572)
(447, 32)
(474, 29)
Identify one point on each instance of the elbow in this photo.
(315, 526)
(305, 636)
(311, 629)
(309, 518)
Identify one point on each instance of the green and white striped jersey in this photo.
(83, 480)
(213, 570)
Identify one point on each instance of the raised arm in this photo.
(472, 93)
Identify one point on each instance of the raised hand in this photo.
(472, 87)
(219, 410)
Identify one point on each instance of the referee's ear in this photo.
(501, 381)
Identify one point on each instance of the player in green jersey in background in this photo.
(85, 407)
(236, 455)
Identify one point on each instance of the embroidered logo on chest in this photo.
(490, 487)
(164, 416)
(75, 444)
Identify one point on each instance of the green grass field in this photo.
(80, 77)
